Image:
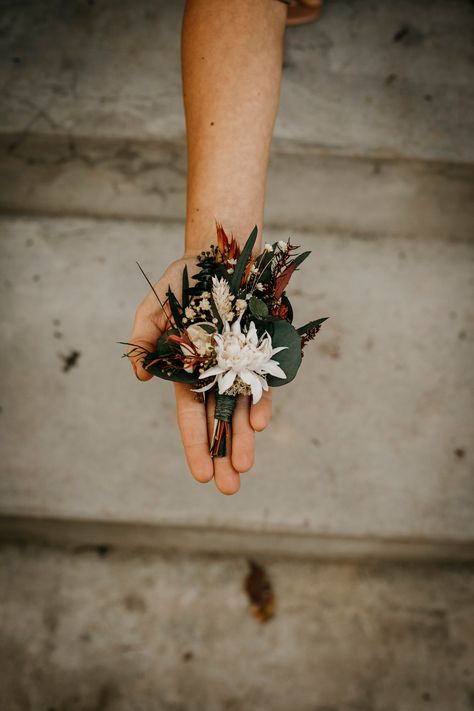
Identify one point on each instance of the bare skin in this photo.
(231, 64)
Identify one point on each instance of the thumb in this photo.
(142, 341)
(136, 353)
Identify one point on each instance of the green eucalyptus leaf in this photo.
(258, 307)
(284, 334)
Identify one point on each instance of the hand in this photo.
(196, 416)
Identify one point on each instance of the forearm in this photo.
(231, 62)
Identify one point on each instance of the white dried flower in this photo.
(282, 245)
(232, 261)
(268, 247)
(244, 355)
(189, 312)
(240, 305)
(205, 304)
(253, 269)
(259, 286)
(200, 338)
(221, 295)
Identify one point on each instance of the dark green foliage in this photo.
(175, 308)
(185, 288)
(283, 333)
(242, 261)
(208, 268)
(285, 300)
(163, 350)
(262, 263)
(258, 308)
(300, 258)
(312, 324)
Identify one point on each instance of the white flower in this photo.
(282, 245)
(240, 305)
(259, 286)
(190, 313)
(244, 355)
(200, 338)
(232, 261)
(202, 341)
(205, 304)
(221, 295)
(253, 269)
(268, 247)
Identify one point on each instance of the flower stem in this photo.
(225, 405)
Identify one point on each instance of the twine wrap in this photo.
(225, 406)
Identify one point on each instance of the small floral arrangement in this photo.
(233, 328)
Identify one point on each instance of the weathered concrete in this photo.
(374, 133)
(372, 440)
(307, 190)
(370, 79)
(119, 632)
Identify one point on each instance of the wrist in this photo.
(199, 235)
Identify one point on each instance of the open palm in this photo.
(196, 416)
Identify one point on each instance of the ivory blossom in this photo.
(243, 355)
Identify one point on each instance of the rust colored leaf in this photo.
(281, 282)
(260, 592)
(228, 248)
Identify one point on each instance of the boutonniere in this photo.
(232, 329)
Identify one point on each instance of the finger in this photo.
(261, 412)
(227, 479)
(243, 436)
(192, 423)
(143, 339)
(136, 353)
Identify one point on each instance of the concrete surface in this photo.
(370, 79)
(108, 631)
(306, 189)
(374, 132)
(373, 439)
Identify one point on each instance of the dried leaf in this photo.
(260, 592)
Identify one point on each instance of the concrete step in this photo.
(306, 190)
(374, 131)
(120, 632)
(370, 449)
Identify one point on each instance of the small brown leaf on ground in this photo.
(259, 589)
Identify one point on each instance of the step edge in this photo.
(279, 146)
(102, 535)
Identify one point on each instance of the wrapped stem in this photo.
(225, 405)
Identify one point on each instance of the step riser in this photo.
(188, 539)
(307, 189)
